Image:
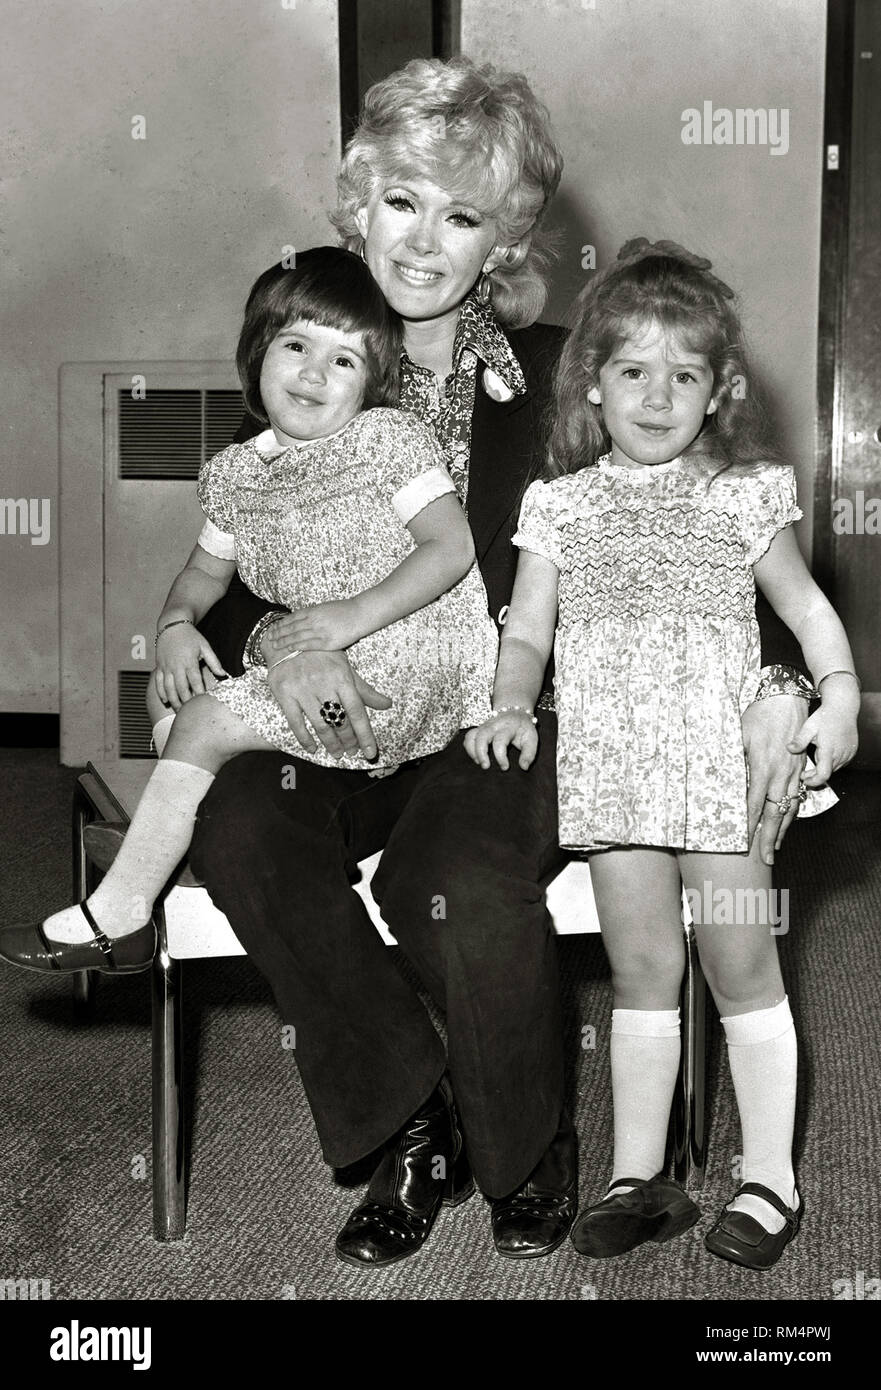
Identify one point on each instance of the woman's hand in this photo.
(180, 648)
(321, 627)
(301, 686)
(769, 728)
(514, 727)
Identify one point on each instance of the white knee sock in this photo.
(762, 1054)
(645, 1050)
(161, 730)
(156, 841)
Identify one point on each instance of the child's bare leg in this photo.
(737, 947)
(155, 707)
(738, 951)
(162, 715)
(638, 897)
(205, 734)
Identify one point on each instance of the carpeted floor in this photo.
(264, 1209)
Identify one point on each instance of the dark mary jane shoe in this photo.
(31, 949)
(408, 1188)
(744, 1240)
(537, 1217)
(656, 1209)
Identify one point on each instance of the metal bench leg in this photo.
(83, 814)
(689, 1106)
(169, 1194)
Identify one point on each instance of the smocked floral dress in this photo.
(657, 648)
(326, 520)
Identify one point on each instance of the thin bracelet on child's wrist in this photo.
(838, 673)
(178, 622)
(514, 709)
(842, 672)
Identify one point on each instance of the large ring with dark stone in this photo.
(333, 714)
(802, 793)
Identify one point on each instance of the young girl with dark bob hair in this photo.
(347, 515)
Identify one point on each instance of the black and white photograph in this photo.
(440, 695)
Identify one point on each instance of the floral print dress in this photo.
(326, 520)
(657, 647)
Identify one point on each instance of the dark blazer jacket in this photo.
(507, 453)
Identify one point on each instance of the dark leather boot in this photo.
(535, 1218)
(424, 1167)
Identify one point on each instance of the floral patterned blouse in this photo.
(449, 412)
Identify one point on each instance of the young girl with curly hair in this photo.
(664, 502)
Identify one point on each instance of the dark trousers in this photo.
(458, 884)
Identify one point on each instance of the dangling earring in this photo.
(361, 250)
(484, 290)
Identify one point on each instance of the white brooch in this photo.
(495, 387)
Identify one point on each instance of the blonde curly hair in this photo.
(659, 284)
(480, 134)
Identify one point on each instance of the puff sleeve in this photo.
(216, 493)
(538, 529)
(410, 470)
(767, 504)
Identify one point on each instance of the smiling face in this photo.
(655, 393)
(425, 249)
(312, 380)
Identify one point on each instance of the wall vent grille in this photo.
(134, 722)
(171, 432)
(128, 518)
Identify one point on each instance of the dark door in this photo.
(847, 518)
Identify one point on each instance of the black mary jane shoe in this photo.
(744, 1240)
(408, 1189)
(655, 1209)
(537, 1217)
(102, 841)
(31, 949)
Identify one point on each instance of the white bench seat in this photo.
(195, 929)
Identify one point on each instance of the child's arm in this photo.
(444, 554)
(180, 647)
(789, 588)
(523, 656)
